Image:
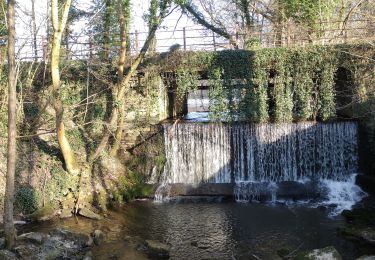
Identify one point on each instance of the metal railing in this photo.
(193, 39)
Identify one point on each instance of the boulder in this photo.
(7, 255)
(366, 182)
(366, 235)
(88, 256)
(98, 237)
(85, 212)
(78, 239)
(66, 213)
(42, 214)
(366, 257)
(19, 222)
(32, 237)
(326, 253)
(157, 248)
(26, 251)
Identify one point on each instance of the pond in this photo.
(210, 230)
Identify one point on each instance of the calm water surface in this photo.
(211, 230)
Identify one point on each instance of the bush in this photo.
(26, 200)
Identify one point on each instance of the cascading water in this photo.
(259, 157)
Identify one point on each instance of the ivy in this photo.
(267, 85)
(187, 80)
(303, 85)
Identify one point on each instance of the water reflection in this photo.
(212, 230)
(242, 231)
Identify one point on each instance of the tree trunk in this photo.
(248, 19)
(152, 20)
(106, 30)
(58, 28)
(124, 21)
(34, 30)
(12, 102)
(112, 121)
(202, 21)
(280, 24)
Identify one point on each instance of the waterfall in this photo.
(256, 157)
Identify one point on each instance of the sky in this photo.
(167, 35)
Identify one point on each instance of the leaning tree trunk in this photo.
(58, 29)
(122, 88)
(124, 21)
(34, 31)
(12, 102)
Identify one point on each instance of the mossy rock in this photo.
(157, 248)
(7, 255)
(323, 253)
(42, 214)
(365, 235)
(146, 190)
(361, 217)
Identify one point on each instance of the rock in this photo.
(98, 237)
(69, 201)
(55, 253)
(283, 252)
(7, 255)
(327, 253)
(42, 214)
(19, 222)
(79, 239)
(66, 213)
(158, 248)
(88, 256)
(26, 251)
(90, 242)
(364, 217)
(366, 182)
(85, 212)
(366, 235)
(366, 257)
(194, 243)
(2, 242)
(32, 237)
(322, 208)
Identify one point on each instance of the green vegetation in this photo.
(279, 84)
(26, 199)
(263, 85)
(132, 186)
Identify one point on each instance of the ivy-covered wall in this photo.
(319, 83)
(278, 85)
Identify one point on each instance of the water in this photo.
(258, 157)
(211, 230)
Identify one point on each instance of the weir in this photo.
(260, 161)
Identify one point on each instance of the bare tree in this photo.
(34, 31)
(58, 25)
(122, 87)
(12, 131)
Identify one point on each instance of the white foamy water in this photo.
(341, 195)
(256, 157)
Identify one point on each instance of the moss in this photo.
(41, 214)
(132, 186)
(160, 161)
(26, 199)
(360, 217)
(59, 184)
